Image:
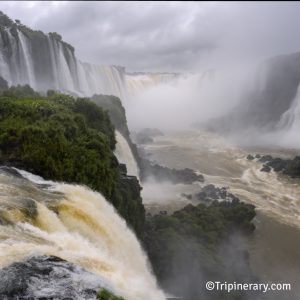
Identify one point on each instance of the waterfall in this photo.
(76, 224)
(26, 58)
(287, 129)
(63, 71)
(12, 61)
(125, 155)
(138, 83)
(46, 62)
(4, 66)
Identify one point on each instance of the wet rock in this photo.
(278, 164)
(28, 207)
(250, 157)
(211, 193)
(265, 168)
(265, 158)
(289, 167)
(161, 173)
(293, 168)
(10, 171)
(257, 156)
(48, 277)
(123, 169)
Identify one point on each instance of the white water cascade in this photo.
(27, 60)
(138, 83)
(287, 129)
(76, 224)
(47, 62)
(125, 155)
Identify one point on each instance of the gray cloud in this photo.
(166, 36)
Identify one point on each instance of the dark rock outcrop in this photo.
(161, 173)
(48, 277)
(210, 193)
(266, 169)
(289, 167)
(250, 157)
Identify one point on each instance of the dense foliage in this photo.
(117, 114)
(106, 295)
(115, 110)
(199, 243)
(60, 138)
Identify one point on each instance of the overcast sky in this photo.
(166, 36)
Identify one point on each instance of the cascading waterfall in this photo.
(125, 155)
(46, 62)
(287, 129)
(12, 62)
(291, 118)
(138, 83)
(26, 59)
(76, 224)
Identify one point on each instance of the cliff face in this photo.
(45, 61)
(268, 103)
(264, 106)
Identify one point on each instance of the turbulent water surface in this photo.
(274, 247)
(224, 164)
(40, 217)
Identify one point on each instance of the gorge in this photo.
(90, 203)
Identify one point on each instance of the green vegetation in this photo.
(106, 295)
(60, 138)
(117, 114)
(198, 243)
(19, 91)
(5, 20)
(115, 110)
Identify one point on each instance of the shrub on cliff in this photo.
(106, 295)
